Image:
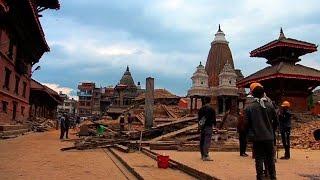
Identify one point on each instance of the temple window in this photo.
(4, 106)
(16, 88)
(7, 78)
(24, 89)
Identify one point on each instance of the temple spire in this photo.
(220, 36)
(219, 30)
(281, 36)
(127, 68)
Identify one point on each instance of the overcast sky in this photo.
(95, 40)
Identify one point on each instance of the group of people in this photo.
(257, 122)
(123, 119)
(66, 122)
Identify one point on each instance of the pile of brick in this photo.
(302, 135)
(41, 124)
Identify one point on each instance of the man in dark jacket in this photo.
(242, 130)
(260, 115)
(285, 128)
(62, 126)
(67, 125)
(206, 131)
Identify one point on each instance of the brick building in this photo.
(68, 105)
(22, 44)
(85, 94)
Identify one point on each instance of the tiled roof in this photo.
(36, 86)
(282, 70)
(285, 42)
(159, 94)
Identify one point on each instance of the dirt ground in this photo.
(38, 156)
(304, 164)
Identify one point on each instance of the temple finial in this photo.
(127, 67)
(200, 63)
(281, 36)
(219, 30)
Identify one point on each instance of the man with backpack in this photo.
(207, 119)
(260, 116)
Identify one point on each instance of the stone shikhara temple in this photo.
(218, 78)
(284, 79)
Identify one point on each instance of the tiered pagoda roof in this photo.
(281, 70)
(283, 49)
(282, 54)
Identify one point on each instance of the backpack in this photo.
(201, 122)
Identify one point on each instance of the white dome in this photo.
(220, 37)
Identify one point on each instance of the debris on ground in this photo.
(41, 124)
(302, 135)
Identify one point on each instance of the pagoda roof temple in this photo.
(284, 79)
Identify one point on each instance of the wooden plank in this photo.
(175, 164)
(131, 169)
(169, 112)
(140, 117)
(179, 120)
(174, 133)
(122, 148)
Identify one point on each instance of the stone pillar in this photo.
(196, 103)
(120, 98)
(223, 105)
(149, 101)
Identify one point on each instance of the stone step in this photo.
(8, 127)
(13, 132)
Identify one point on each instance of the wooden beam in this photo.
(175, 164)
(174, 133)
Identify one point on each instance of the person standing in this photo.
(207, 115)
(260, 115)
(67, 125)
(242, 130)
(121, 123)
(285, 128)
(130, 120)
(58, 122)
(62, 126)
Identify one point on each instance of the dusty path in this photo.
(148, 168)
(229, 165)
(38, 156)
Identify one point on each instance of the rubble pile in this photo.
(41, 124)
(302, 135)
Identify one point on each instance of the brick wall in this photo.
(298, 104)
(9, 95)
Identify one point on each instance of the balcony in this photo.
(79, 93)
